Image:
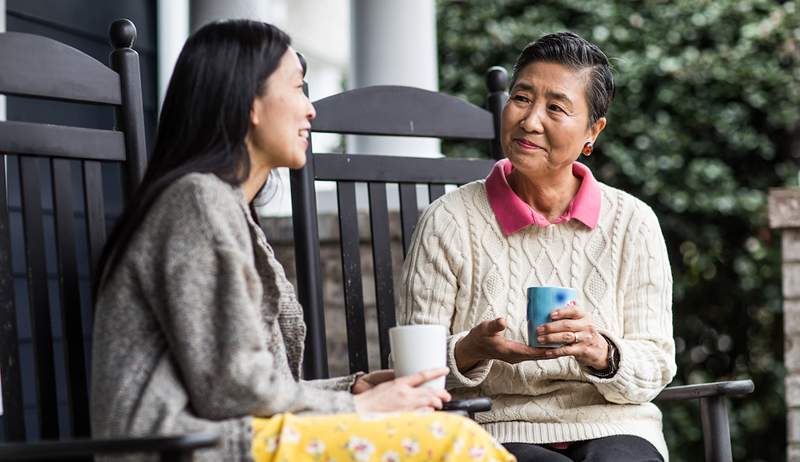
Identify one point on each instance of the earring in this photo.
(587, 149)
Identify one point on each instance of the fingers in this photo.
(495, 326)
(435, 397)
(571, 311)
(566, 325)
(586, 351)
(515, 352)
(560, 337)
(443, 395)
(434, 402)
(424, 398)
(421, 377)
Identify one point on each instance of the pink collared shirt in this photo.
(514, 214)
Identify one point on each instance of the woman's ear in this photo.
(254, 110)
(597, 127)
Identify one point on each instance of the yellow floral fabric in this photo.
(411, 437)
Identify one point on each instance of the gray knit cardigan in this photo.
(199, 329)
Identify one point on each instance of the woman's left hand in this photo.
(371, 380)
(572, 327)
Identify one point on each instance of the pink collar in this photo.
(513, 213)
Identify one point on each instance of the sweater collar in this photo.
(513, 214)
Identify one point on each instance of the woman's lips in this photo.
(525, 144)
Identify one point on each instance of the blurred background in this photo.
(705, 121)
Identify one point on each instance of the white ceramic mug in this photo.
(418, 348)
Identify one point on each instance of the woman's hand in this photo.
(404, 394)
(572, 327)
(486, 341)
(371, 380)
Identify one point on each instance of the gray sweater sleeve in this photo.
(221, 330)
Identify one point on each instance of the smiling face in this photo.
(280, 119)
(545, 122)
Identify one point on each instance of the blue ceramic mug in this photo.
(541, 302)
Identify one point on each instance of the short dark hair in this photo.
(575, 52)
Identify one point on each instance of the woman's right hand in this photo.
(486, 341)
(404, 394)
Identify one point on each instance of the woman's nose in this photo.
(532, 121)
(312, 113)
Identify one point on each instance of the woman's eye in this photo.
(557, 108)
(520, 98)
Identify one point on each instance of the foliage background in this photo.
(706, 119)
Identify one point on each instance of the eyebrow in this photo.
(549, 94)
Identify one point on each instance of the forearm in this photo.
(335, 383)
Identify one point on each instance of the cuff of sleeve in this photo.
(352, 379)
(344, 383)
(613, 388)
(470, 378)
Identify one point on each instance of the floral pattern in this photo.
(403, 437)
(360, 448)
(315, 447)
(437, 430)
(410, 446)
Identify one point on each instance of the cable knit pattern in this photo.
(461, 270)
(199, 329)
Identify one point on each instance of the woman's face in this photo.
(545, 121)
(280, 119)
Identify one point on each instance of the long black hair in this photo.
(204, 119)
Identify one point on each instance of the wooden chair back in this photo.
(45, 306)
(390, 111)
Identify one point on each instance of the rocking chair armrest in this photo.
(706, 390)
(166, 445)
(713, 412)
(470, 406)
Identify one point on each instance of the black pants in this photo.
(618, 448)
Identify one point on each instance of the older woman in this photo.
(541, 219)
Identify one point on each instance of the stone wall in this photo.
(280, 235)
(784, 214)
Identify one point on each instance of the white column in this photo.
(173, 29)
(393, 43)
(205, 11)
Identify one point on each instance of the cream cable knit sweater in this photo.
(461, 270)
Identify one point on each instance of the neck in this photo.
(259, 171)
(550, 194)
(254, 182)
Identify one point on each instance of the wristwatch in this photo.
(613, 362)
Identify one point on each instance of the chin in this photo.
(298, 161)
